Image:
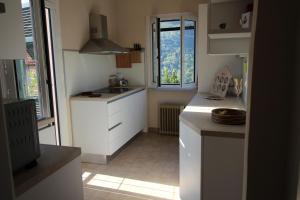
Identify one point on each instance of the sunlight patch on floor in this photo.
(85, 175)
(135, 186)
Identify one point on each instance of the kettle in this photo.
(123, 82)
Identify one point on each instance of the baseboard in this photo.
(109, 158)
(153, 130)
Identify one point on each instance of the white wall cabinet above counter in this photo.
(229, 27)
(12, 37)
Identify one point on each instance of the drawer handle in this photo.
(115, 126)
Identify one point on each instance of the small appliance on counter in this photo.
(113, 81)
(123, 83)
(21, 124)
(117, 80)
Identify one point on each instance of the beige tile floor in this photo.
(148, 168)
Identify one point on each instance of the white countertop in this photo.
(108, 97)
(197, 115)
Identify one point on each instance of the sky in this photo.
(25, 3)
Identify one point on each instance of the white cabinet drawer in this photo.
(116, 138)
(115, 107)
(114, 119)
(116, 131)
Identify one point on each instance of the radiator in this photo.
(169, 119)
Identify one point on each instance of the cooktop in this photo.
(108, 90)
(111, 90)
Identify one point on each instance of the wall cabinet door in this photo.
(190, 163)
(12, 38)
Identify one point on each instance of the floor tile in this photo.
(147, 169)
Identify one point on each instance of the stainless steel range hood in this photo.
(99, 42)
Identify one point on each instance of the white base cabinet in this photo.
(190, 163)
(223, 162)
(211, 167)
(65, 183)
(100, 128)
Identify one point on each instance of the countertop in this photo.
(197, 115)
(52, 159)
(109, 97)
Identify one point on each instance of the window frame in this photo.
(59, 73)
(149, 47)
(41, 57)
(194, 84)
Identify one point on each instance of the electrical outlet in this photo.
(2, 7)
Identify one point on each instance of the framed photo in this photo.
(221, 82)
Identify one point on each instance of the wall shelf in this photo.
(229, 35)
(225, 34)
(126, 60)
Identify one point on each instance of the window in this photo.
(173, 52)
(34, 77)
(31, 73)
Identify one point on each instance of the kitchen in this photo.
(125, 126)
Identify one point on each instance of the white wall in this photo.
(12, 38)
(208, 64)
(84, 72)
(87, 72)
(75, 20)
(131, 16)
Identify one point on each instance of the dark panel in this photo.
(2, 7)
(6, 189)
(271, 100)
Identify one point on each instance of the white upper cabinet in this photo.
(229, 26)
(12, 39)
